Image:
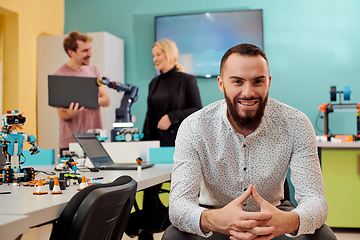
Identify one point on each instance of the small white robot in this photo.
(11, 142)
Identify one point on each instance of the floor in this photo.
(347, 233)
(341, 234)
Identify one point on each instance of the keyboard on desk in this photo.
(125, 166)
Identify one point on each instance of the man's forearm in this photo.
(64, 114)
(104, 101)
(205, 225)
(292, 222)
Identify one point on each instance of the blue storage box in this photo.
(161, 155)
(44, 157)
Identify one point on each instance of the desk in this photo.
(11, 226)
(44, 208)
(340, 163)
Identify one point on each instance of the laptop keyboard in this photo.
(126, 166)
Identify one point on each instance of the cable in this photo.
(316, 123)
(137, 97)
(24, 157)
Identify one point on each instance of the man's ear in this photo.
(269, 81)
(70, 52)
(220, 84)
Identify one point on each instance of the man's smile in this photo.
(247, 103)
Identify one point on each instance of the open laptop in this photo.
(66, 89)
(98, 155)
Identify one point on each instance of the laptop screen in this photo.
(93, 149)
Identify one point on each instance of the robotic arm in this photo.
(123, 113)
(124, 124)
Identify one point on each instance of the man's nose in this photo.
(247, 90)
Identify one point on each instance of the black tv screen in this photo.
(203, 38)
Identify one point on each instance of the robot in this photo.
(11, 142)
(68, 174)
(124, 122)
(68, 166)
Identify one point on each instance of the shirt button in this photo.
(245, 189)
(245, 168)
(244, 145)
(244, 205)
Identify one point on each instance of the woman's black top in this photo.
(175, 94)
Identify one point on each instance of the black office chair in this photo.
(286, 190)
(97, 212)
(153, 218)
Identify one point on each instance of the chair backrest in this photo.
(286, 190)
(97, 212)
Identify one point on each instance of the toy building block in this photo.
(83, 184)
(139, 161)
(56, 189)
(40, 188)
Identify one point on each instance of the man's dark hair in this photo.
(70, 41)
(244, 49)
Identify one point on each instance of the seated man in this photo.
(231, 160)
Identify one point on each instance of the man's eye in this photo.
(258, 81)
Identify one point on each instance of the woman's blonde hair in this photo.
(171, 52)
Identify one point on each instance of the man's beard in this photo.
(248, 123)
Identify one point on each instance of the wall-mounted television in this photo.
(203, 38)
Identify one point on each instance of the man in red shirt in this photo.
(74, 118)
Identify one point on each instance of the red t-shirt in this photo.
(84, 120)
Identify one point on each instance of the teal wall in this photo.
(311, 45)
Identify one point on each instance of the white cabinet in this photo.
(108, 56)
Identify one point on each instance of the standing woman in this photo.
(173, 95)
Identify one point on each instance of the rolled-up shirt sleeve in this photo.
(307, 179)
